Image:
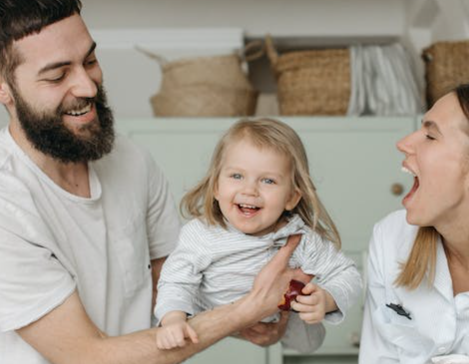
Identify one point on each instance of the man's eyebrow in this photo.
(56, 65)
(428, 124)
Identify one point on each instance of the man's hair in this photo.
(20, 18)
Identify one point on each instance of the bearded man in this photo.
(86, 219)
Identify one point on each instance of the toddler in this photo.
(257, 193)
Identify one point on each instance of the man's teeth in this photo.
(86, 109)
(406, 170)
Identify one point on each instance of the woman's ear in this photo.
(294, 200)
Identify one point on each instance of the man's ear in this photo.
(293, 201)
(5, 92)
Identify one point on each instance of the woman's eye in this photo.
(268, 181)
(428, 136)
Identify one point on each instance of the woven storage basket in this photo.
(445, 68)
(203, 86)
(203, 100)
(314, 82)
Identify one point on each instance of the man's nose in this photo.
(84, 85)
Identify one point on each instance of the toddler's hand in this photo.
(174, 334)
(313, 304)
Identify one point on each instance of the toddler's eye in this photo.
(268, 181)
(236, 176)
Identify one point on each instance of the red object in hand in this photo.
(294, 290)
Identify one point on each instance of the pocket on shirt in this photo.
(133, 255)
(401, 332)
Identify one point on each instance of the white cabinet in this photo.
(356, 168)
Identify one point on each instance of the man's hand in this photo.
(266, 334)
(313, 304)
(271, 283)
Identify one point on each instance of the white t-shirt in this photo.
(53, 243)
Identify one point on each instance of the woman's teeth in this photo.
(406, 170)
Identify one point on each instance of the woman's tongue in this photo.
(413, 189)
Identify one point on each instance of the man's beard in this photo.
(48, 134)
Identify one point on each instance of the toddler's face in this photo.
(254, 188)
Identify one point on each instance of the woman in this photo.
(417, 304)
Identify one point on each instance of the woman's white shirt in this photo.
(439, 322)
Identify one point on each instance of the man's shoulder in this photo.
(5, 149)
(125, 155)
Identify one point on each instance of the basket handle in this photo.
(271, 51)
(253, 50)
(160, 59)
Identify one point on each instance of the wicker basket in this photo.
(445, 68)
(314, 82)
(203, 86)
(203, 100)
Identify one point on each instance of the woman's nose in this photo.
(405, 145)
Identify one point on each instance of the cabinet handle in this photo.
(397, 189)
(355, 339)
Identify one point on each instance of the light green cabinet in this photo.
(356, 169)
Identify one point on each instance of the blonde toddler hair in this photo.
(272, 134)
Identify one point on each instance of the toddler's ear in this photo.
(216, 195)
(293, 201)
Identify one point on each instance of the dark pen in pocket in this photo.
(399, 309)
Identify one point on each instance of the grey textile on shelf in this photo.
(383, 82)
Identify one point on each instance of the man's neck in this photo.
(72, 177)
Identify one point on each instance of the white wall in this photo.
(430, 21)
(256, 17)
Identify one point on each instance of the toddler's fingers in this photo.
(309, 288)
(311, 317)
(177, 339)
(311, 299)
(192, 334)
(301, 307)
(164, 343)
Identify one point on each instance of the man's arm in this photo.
(67, 335)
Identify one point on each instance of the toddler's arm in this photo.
(174, 331)
(336, 274)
